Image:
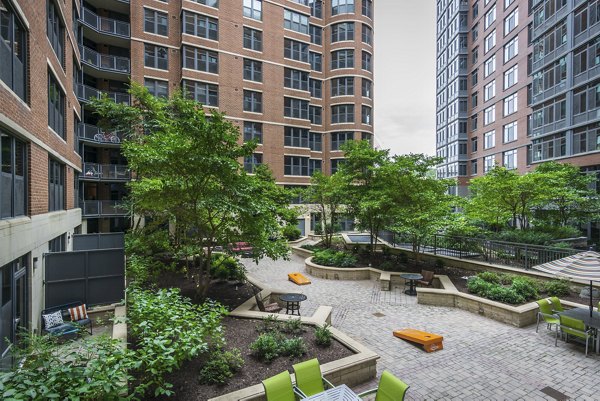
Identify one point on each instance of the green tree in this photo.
(188, 171)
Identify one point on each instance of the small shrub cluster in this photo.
(221, 366)
(507, 288)
(323, 335)
(311, 247)
(269, 346)
(291, 232)
(557, 288)
(226, 267)
(328, 257)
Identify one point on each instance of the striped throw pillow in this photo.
(78, 313)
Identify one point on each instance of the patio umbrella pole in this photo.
(591, 300)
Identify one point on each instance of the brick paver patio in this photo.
(482, 359)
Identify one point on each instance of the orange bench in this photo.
(298, 279)
(430, 342)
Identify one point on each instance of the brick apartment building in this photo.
(517, 85)
(296, 74)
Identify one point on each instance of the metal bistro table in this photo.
(590, 321)
(412, 277)
(339, 393)
(292, 302)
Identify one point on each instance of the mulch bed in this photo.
(239, 333)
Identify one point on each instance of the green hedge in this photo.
(328, 257)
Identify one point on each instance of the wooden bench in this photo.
(430, 342)
(69, 326)
(298, 278)
(385, 281)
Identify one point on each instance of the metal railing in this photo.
(86, 93)
(102, 208)
(104, 61)
(523, 256)
(105, 25)
(99, 172)
(92, 133)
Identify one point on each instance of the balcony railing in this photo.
(108, 172)
(105, 25)
(104, 61)
(86, 93)
(92, 133)
(91, 208)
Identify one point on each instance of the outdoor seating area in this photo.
(66, 319)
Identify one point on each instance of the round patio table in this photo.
(292, 302)
(411, 277)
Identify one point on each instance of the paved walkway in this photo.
(482, 359)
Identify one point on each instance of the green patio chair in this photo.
(546, 312)
(556, 305)
(279, 388)
(574, 327)
(309, 379)
(390, 388)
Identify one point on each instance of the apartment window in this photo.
(511, 76)
(511, 22)
(253, 131)
(252, 70)
(342, 7)
(316, 61)
(367, 34)
(342, 31)
(551, 76)
(252, 39)
(474, 144)
(490, 17)
(489, 66)
(13, 176)
(296, 137)
(475, 55)
(342, 59)
(295, 79)
(366, 61)
(488, 163)
(156, 22)
(510, 104)
(55, 29)
(252, 101)
(508, 3)
(511, 49)
(295, 21)
(550, 112)
(475, 32)
(510, 159)
(490, 42)
(316, 35)
(295, 108)
(156, 57)
(202, 26)
(365, 136)
(200, 59)
(343, 86)
(549, 147)
(316, 8)
(367, 8)
(205, 93)
(314, 165)
(315, 141)
(13, 50)
(295, 50)
(156, 87)
(489, 139)
(510, 132)
(366, 115)
(336, 164)
(315, 115)
(253, 9)
(473, 167)
(316, 88)
(474, 77)
(56, 106)
(57, 244)
(367, 88)
(252, 162)
(342, 113)
(475, 10)
(586, 17)
(210, 3)
(56, 186)
(339, 138)
(586, 98)
(489, 115)
(295, 165)
(550, 41)
(489, 91)
(547, 10)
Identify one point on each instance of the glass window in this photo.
(56, 186)
(314, 165)
(295, 21)
(366, 115)
(252, 101)
(489, 66)
(251, 162)
(339, 138)
(253, 131)
(200, 59)
(316, 61)
(335, 165)
(295, 108)
(366, 61)
(342, 6)
(488, 163)
(13, 176)
(342, 113)
(315, 115)
(157, 87)
(511, 22)
(316, 8)
(342, 31)
(315, 141)
(510, 132)
(205, 93)
(489, 115)
(511, 76)
(316, 35)
(510, 104)
(295, 50)
(510, 159)
(253, 9)
(490, 17)
(13, 51)
(489, 91)
(156, 57)
(342, 59)
(367, 88)
(316, 88)
(252, 39)
(56, 106)
(295, 79)
(296, 137)
(367, 34)
(202, 26)
(367, 8)
(55, 30)
(295, 165)
(156, 22)
(210, 3)
(343, 86)
(252, 70)
(489, 139)
(490, 42)
(511, 49)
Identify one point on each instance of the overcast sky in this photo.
(405, 75)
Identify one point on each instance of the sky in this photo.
(405, 75)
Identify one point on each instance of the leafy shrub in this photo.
(142, 270)
(504, 294)
(507, 288)
(310, 247)
(524, 237)
(557, 288)
(293, 347)
(323, 335)
(329, 257)
(479, 286)
(291, 232)
(269, 324)
(507, 278)
(525, 287)
(387, 265)
(490, 277)
(439, 263)
(226, 267)
(292, 326)
(147, 241)
(266, 346)
(221, 366)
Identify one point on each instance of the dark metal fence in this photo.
(497, 252)
(84, 242)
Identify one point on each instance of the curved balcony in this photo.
(96, 208)
(104, 62)
(105, 172)
(105, 25)
(91, 133)
(86, 93)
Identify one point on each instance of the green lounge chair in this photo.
(309, 379)
(574, 327)
(390, 388)
(556, 305)
(279, 388)
(546, 312)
